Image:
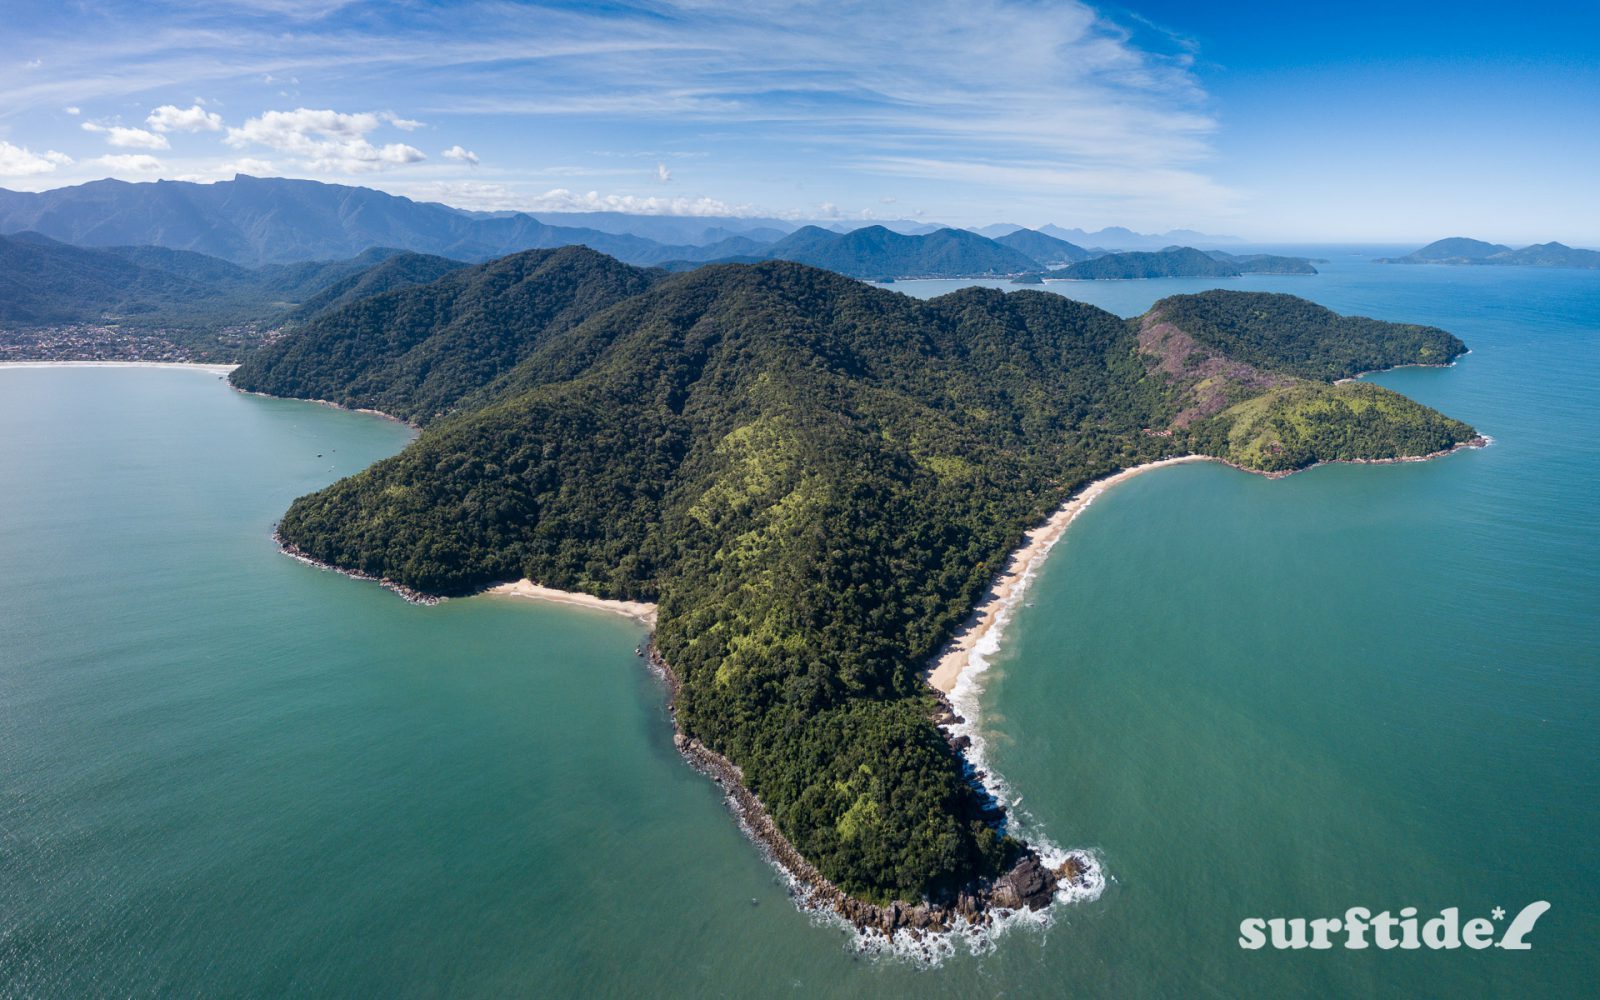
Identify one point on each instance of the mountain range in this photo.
(1114, 237)
(877, 252)
(45, 282)
(253, 221)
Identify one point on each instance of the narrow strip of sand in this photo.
(190, 365)
(641, 610)
(990, 614)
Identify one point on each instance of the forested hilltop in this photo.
(816, 479)
(415, 353)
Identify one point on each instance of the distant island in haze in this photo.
(1115, 237)
(1460, 250)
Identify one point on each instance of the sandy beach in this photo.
(640, 610)
(1024, 562)
(194, 366)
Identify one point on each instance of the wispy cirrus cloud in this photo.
(784, 96)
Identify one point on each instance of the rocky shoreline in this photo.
(1029, 885)
(1480, 441)
(330, 404)
(300, 555)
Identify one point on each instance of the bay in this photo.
(223, 772)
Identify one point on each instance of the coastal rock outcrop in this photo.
(1028, 885)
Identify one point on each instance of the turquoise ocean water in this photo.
(226, 773)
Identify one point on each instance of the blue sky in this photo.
(1345, 121)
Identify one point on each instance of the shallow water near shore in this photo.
(224, 772)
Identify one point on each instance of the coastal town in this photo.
(113, 342)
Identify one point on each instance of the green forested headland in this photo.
(1288, 334)
(816, 479)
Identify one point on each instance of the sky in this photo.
(1350, 121)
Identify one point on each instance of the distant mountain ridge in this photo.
(1043, 248)
(1461, 250)
(877, 252)
(44, 282)
(1118, 238)
(254, 220)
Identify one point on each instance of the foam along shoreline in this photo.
(214, 369)
(987, 620)
(992, 613)
(640, 610)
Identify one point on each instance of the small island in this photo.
(812, 484)
(1173, 262)
(1462, 251)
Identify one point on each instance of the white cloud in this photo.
(1007, 83)
(170, 118)
(563, 200)
(72, 109)
(404, 124)
(324, 140)
(1103, 184)
(662, 173)
(20, 161)
(128, 138)
(492, 197)
(129, 163)
(478, 195)
(461, 155)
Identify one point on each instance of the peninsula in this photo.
(814, 482)
(1173, 262)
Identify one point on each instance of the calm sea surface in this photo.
(226, 773)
